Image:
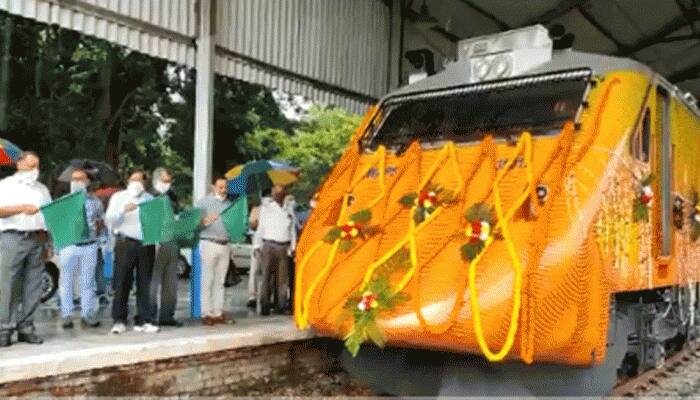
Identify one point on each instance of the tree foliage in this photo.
(315, 145)
(74, 96)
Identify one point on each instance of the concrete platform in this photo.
(80, 349)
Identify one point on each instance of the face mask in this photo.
(220, 197)
(135, 188)
(29, 176)
(312, 204)
(162, 187)
(76, 186)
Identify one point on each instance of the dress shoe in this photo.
(89, 322)
(5, 340)
(67, 323)
(208, 321)
(171, 322)
(251, 303)
(265, 310)
(30, 338)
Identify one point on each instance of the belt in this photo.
(23, 233)
(128, 238)
(217, 241)
(276, 242)
(86, 243)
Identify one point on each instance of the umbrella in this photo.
(254, 176)
(9, 152)
(97, 171)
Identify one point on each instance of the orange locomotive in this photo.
(526, 205)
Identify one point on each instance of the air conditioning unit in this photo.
(505, 54)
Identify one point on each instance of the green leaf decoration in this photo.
(365, 326)
(640, 212)
(471, 250)
(332, 235)
(375, 334)
(418, 215)
(408, 200)
(447, 196)
(353, 342)
(346, 245)
(479, 212)
(361, 217)
(370, 230)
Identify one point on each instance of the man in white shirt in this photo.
(122, 218)
(23, 240)
(276, 237)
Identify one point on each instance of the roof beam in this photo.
(690, 15)
(657, 37)
(597, 25)
(564, 7)
(683, 75)
(501, 24)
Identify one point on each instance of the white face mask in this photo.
(76, 186)
(135, 188)
(29, 176)
(312, 204)
(221, 197)
(162, 187)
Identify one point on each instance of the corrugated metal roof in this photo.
(160, 28)
(331, 51)
(335, 51)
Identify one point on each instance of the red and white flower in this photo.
(368, 302)
(478, 231)
(427, 199)
(350, 230)
(647, 196)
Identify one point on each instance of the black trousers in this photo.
(129, 255)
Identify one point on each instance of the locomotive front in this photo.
(462, 215)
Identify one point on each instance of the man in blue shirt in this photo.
(82, 258)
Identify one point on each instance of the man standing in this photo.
(276, 235)
(130, 253)
(23, 239)
(215, 251)
(82, 257)
(165, 265)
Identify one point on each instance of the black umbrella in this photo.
(99, 172)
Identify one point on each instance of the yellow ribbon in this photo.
(525, 144)
(301, 308)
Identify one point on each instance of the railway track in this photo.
(656, 380)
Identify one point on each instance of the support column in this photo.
(204, 103)
(203, 128)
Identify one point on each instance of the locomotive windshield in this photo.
(467, 114)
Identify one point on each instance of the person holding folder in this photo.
(82, 258)
(215, 252)
(130, 253)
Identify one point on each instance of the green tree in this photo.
(315, 145)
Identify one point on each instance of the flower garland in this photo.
(427, 201)
(642, 203)
(376, 298)
(357, 227)
(480, 227)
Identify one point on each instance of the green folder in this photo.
(157, 221)
(187, 227)
(66, 220)
(235, 219)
